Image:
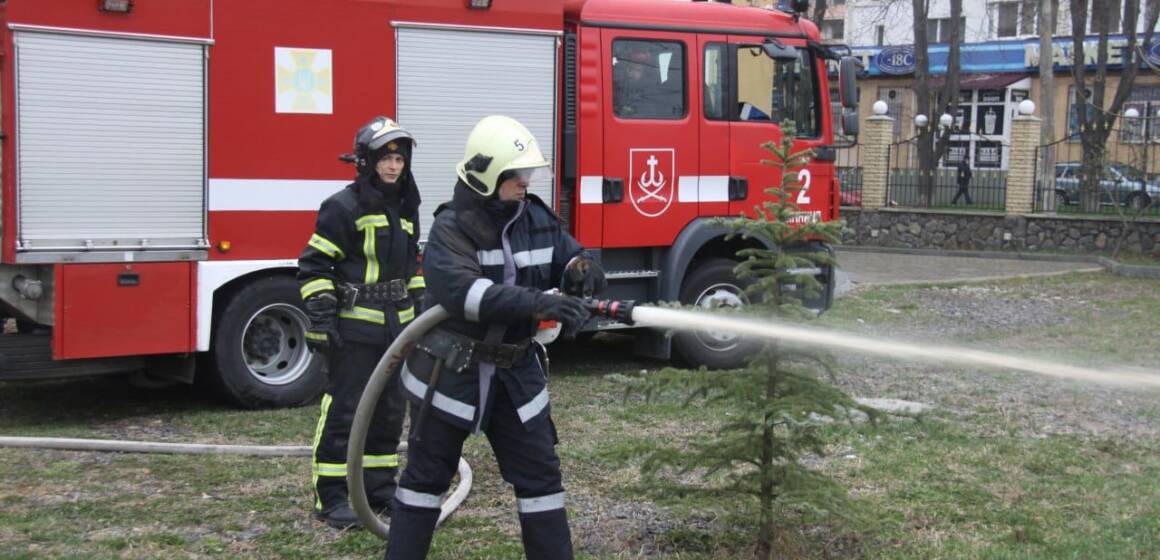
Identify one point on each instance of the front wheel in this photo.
(712, 285)
(259, 347)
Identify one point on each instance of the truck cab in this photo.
(665, 110)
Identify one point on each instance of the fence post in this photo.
(1022, 163)
(875, 153)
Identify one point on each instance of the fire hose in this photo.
(388, 366)
(625, 312)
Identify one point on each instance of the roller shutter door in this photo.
(449, 79)
(110, 143)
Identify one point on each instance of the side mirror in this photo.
(778, 51)
(848, 82)
(800, 6)
(850, 122)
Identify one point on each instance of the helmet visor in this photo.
(534, 175)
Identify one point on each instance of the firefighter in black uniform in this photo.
(491, 255)
(359, 275)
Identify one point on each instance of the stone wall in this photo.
(919, 229)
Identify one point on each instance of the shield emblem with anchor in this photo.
(652, 173)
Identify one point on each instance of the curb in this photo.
(1110, 265)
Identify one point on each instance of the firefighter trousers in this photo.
(527, 460)
(350, 368)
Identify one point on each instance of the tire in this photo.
(1138, 201)
(259, 353)
(1060, 200)
(713, 284)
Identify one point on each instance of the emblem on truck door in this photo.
(651, 174)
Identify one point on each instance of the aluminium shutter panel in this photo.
(449, 79)
(110, 142)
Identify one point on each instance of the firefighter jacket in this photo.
(487, 266)
(361, 239)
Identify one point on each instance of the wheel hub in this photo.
(717, 297)
(273, 344)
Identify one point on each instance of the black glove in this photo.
(583, 278)
(568, 310)
(322, 310)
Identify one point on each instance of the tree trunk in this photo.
(931, 141)
(767, 536)
(1047, 19)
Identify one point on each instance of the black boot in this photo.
(339, 517)
(411, 532)
(546, 535)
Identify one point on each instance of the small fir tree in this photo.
(779, 404)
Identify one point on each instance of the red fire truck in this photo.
(163, 161)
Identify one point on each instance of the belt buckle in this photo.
(397, 290)
(350, 296)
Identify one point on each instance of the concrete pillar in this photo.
(1021, 164)
(875, 138)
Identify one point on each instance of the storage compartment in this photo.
(123, 309)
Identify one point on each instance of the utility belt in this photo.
(458, 352)
(350, 295)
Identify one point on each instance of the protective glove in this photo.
(584, 278)
(568, 310)
(322, 310)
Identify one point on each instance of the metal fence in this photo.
(1129, 176)
(849, 171)
(911, 185)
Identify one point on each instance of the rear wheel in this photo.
(259, 348)
(712, 285)
(1060, 200)
(1139, 201)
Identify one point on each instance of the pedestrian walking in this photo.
(963, 179)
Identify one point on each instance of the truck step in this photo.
(29, 356)
(631, 274)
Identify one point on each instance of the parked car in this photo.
(1126, 182)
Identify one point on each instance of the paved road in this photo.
(859, 268)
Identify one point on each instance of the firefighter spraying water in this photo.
(683, 320)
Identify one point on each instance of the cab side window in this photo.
(780, 90)
(716, 86)
(648, 79)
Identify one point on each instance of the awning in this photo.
(979, 81)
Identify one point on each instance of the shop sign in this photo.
(896, 60)
(1062, 53)
(990, 120)
(1018, 95)
(988, 155)
(991, 96)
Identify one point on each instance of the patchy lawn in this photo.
(1006, 466)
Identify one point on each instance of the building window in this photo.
(893, 98)
(938, 30)
(833, 29)
(880, 35)
(1004, 19)
(1146, 127)
(648, 79)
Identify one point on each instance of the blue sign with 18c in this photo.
(896, 60)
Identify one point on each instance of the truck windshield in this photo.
(778, 90)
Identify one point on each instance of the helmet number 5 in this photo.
(804, 178)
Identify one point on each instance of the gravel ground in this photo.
(1021, 319)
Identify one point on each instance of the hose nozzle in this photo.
(617, 310)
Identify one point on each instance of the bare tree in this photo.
(932, 141)
(819, 14)
(1048, 10)
(1095, 117)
